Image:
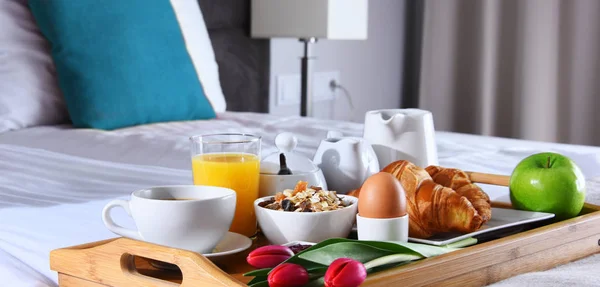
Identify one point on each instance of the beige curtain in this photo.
(525, 69)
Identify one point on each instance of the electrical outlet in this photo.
(321, 88)
(288, 87)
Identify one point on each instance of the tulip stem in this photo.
(315, 282)
(312, 277)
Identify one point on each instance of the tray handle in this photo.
(196, 269)
(487, 178)
(113, 263)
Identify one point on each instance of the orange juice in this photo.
(238, 171)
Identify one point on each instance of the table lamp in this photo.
(309, 20)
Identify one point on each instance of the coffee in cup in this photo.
(187, 217)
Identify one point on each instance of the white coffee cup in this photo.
(189, 217)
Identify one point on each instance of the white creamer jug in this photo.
(402, 134)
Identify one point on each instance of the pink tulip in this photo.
(269, 256)
(345, 272)
(288, 275)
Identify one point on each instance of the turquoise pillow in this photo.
(121, 62)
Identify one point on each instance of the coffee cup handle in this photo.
(112, 226)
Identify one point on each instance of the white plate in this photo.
(501, 218)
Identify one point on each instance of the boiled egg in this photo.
(382, 196)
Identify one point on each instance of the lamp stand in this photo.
(306, 79)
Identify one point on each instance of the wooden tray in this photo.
(124, 262)
(544, 245)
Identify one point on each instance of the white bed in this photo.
(54, 181)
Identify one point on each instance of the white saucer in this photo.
(230, 244)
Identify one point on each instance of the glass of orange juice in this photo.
(231, 161)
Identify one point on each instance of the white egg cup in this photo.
(382, 229)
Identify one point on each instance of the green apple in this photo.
(548, 182)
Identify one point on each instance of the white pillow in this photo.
(200, 48)
(29, 93)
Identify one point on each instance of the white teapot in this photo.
(346, 162)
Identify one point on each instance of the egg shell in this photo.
(382, 196)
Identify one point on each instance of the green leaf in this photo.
(364, 251)
(425, 249)
(321, 244)
(305, 263)
(258, 272)
(317, 270)
(257, 279)
(462, 243)
(394, 258)
(259, 284)
(387, 266)
(308, 265)
(355, 250)
(408, 247)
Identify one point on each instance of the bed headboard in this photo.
(243, 61)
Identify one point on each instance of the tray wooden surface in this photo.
(125, 262)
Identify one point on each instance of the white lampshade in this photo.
(325, 19)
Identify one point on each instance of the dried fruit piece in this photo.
(305, 206)
(296, 248)
(287, 205)
(274, 206)
(279, 196)
(266, 202)
(300, 186)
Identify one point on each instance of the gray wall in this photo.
(370, 70)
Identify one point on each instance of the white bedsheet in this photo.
(167, 144)
(54, 181)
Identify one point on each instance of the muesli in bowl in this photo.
(305, 214)
(304, 199)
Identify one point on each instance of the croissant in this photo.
(432, 207)
(459, 181)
